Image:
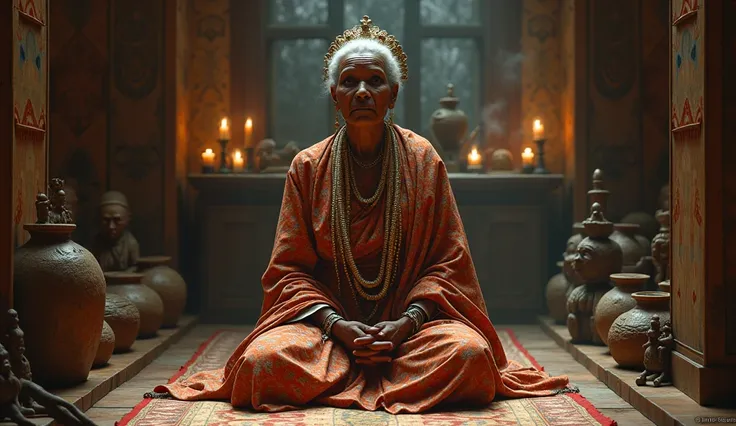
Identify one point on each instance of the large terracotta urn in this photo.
(617, 301)
(558, 288)
(449, 125)
(628, 333)
(59, 288)
(124, 320)
(149, 304)
(169, 285)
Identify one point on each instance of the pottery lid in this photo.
(665, 286)
(50, 228)
(650, 297)
(450, 101)
(578, 227)
(627, 279)
(120, 277)
(597, 226)
(627, 227)
(153, 260)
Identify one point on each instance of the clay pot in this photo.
(149, 304)
(449, 125)
(633, 250)
(628, 332)
(59, 290)
(617, 301)
(648, 225)
(106, 347)
(169, 285)
(558, 288)
(665, 286)
(124, 319)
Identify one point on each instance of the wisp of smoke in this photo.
(491, 117)
(510, 65)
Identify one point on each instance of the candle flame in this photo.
(538, 124)
(223, 123)
(474, 156)
(208, 151)
(248, 123)
(528, 150)
(238, 155)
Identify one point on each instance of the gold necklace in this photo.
(343, 185)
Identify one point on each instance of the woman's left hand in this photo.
(395, 332)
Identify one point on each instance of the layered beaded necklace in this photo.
(343, 187)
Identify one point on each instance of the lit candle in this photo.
(238, 162)
(538, 130)
(208, 158)
(474, 159)
(224, 129)
(248, 133)
(527, 157)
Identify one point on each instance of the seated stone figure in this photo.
(371, 299)
(115, 248)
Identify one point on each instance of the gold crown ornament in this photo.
(366, 30)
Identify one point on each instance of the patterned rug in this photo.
(568, 409)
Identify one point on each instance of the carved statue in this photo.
(661, 247)
(58, 211)
(597, 257)
(115, 248)
(15, 343)
(268, 156)
(657, 354)
(42, 208)
(12, 389)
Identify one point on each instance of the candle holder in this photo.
(540, 169)
(475, 168)
(527, 169)
(223, 156)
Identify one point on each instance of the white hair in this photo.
(364, 46)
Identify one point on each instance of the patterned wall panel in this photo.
(542, 79)
(30, 108)
(208, 77)
(78, 112)
(688, 176)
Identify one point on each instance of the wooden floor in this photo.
(555, 360)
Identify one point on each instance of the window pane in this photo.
(450, 12)
(389, 16)
(450, 60)
(298, 12)
(299, 107)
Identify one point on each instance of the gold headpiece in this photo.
(368, 31)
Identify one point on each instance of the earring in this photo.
(337, 120)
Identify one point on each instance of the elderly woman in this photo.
(371, 299)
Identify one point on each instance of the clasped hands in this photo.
(372, 344)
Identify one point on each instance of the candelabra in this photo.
(540, 170)
(223, 156)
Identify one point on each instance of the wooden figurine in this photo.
(58, 211)
(15, 344)
(12, 389)
(657, 354)
(42, 208)
(115, 248)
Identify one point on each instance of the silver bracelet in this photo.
(416, 315)
(328, 323)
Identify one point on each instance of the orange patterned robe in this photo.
(455, 358)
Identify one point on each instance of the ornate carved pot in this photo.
(169, 285)
(596, 259)
(449, 125)
(106, 347)
(558, 288)
(149, 304)
(617, 301)
(628, 333)
(124, 319)
(59, 289)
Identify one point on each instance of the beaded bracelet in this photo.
(417, 316)
(328, 323)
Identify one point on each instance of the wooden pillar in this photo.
(6, 155)
(703, 197)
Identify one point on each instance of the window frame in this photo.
(411, 43)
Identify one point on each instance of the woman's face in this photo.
(362, 93)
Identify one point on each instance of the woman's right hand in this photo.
(358, 337)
